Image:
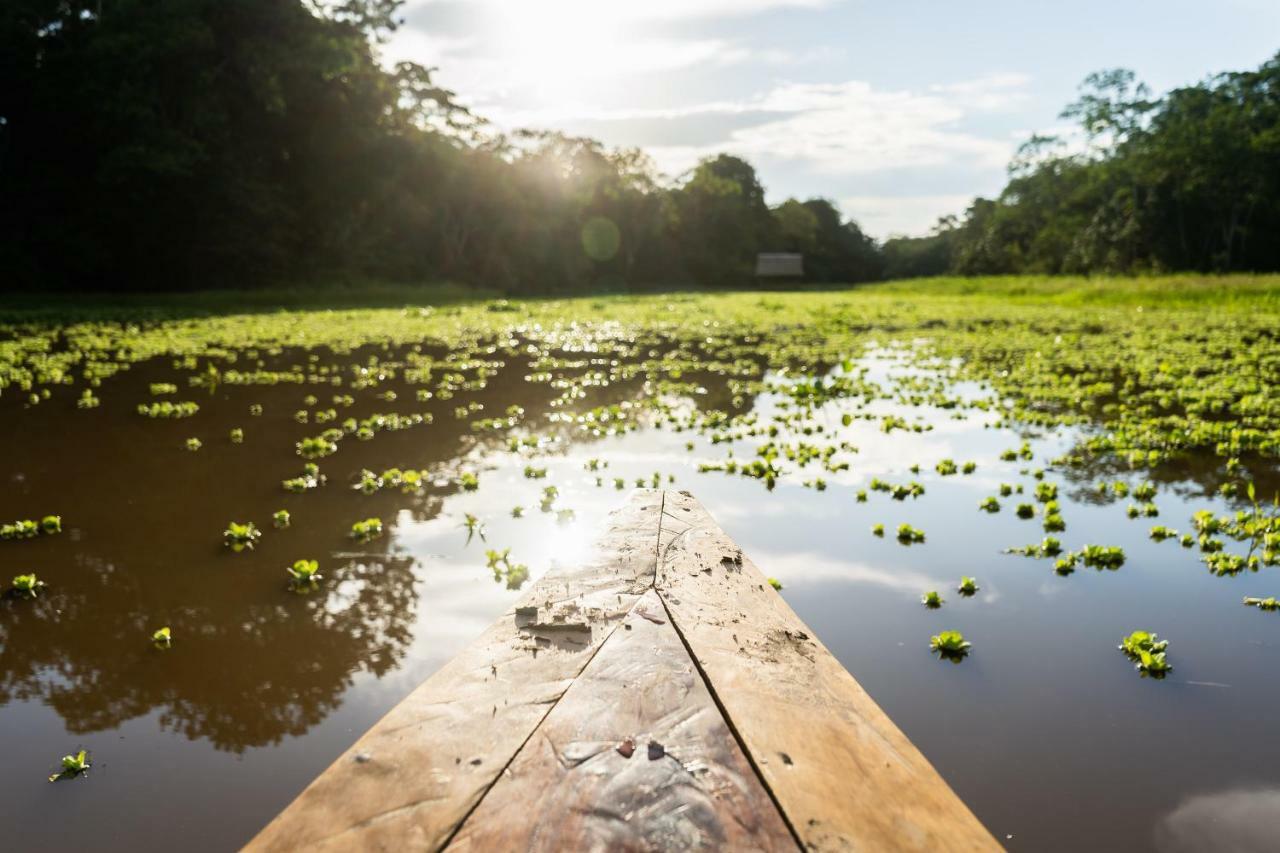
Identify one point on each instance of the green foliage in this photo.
(28, 585)
(950, 645)
(931, 599)
(1147, 652)
(968, 586)
(513, 575)
(304, 574)
(908, 535)
(241, 535)
(775, 583)
(72, 766)
(989, 505)
(1271, 603)
(162, 638)
(366, 530)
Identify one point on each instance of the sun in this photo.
(561, 50)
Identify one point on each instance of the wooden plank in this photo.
(589, 780)
(409, 782)
(845, 776)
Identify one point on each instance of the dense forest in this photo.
(179, 144)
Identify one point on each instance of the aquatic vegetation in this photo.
(931, 599)
(311, 478)
(72, 766)
(1047, 547)
(1053, 523)
(194, 444)
(1147, 652)
(87, 400)
(908, 535)
(969, 468)
(468, 481)
(517, 512)
(775, 583)
(513, 575)
(1102, 556)
(22, 529)
(1025, 511)
(968, 586)
(1066, 564)
(367, 530)
(950, 645)
(1160, 533)
(877, 530)
(241, 535)
(159, 389)
(474, 526)
(316, 447)
(1046, 492)
(162, 638)
(1006, 490)
(280, 518)
(304, 574)
(946, 467)
(989, 505)
(51, 524)
(27, 586)
(255, 410)
(167, 409)
(532, 473)
(237, 435)
(1271, 603)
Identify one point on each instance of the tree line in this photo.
(181, 144)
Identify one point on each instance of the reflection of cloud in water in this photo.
(1241, 821)
(808, 568)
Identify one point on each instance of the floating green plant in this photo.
(946, 467)
(468, 481)
(1147, 652)
(368, 530)
(989, 505)
(1025, 511)
(1046, 491)
(475, 527)
(237, 435)
(931, 599)
(908, 535)
(194, 444)
(1160, 533)
(166, 409)
(532, 473)
(877, 530)
(280, 518)
(968, 586)
(27, 586)
(241, 535)
(517, 512)
(162, 638)
(304, 573)
(1271, 603)
(316, 447)
(950, 645)
(1102, 556)
(72, 766)
(775, 583)
(504, 570)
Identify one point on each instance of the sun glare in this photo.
(562, 49)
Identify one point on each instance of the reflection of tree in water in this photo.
(1191, 476)
(249, 677)
(251, 661)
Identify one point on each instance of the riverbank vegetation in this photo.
(240, 143)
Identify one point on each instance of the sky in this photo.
(900, 111)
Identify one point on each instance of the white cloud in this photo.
(884, 216)
(652, 10)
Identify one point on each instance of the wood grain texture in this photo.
(589, 778)
(409, 782)
(843, 773)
